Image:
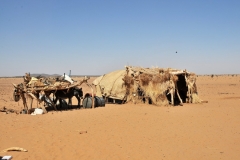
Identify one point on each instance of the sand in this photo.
(207, 131)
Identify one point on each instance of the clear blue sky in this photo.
(94, 37)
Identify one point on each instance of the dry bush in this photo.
(145, 78)
(163, 76)
(128, 81)
(195, 98)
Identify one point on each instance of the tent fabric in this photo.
(111, 85)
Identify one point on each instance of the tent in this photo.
(148, 85)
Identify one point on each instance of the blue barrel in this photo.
(98, 102)
(102, 101)
(87, 102)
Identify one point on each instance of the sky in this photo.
(95, 37)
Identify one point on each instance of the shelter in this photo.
(37, 88)
(111, 86)
(148, 85)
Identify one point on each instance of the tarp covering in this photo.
(111, 85)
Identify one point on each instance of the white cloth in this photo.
(37, 111)
(67, 78)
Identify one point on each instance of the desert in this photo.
(165, 80)
(128, 131)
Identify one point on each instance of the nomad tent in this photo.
(148, 85)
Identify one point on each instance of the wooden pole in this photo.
(93, 102)
(30, 106)
(52, 102)
(24, 101)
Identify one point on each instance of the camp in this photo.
(158, 86)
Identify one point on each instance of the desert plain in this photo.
(207, 131)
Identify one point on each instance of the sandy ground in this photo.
(206, 131)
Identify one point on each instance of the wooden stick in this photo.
(14, 149)
(93, 103)
(24, 101)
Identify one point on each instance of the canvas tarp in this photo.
(111, 85)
